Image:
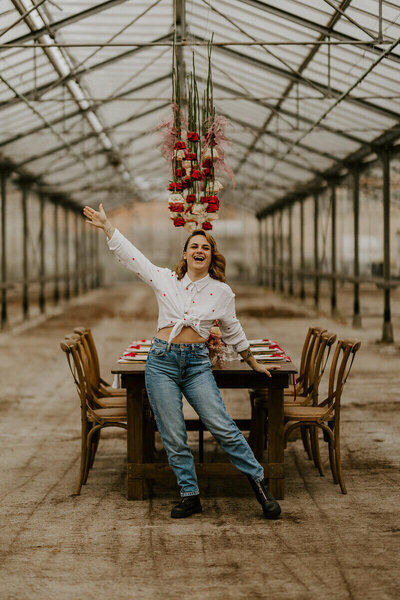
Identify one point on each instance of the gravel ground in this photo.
(99, 545)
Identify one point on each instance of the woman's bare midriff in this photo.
(186, 336)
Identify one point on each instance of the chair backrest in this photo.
(321, 353)
(345, 352)
(72, 346)
(86, 334)
(91, 356)
(308, 357)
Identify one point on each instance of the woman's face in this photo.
(198, 255)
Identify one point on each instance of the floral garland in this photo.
(194, 146)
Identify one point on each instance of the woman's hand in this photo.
(94, 217)
(98, 219)
(261, 368)
(248, 357)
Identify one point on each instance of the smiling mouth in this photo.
(199, 258)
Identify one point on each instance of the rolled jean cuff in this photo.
(186, 494)
(259, 478)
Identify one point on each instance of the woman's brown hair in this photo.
(217, 266)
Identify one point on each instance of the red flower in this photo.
(193, 136)
(187, 182)
(207, 225)
(213, 200)
(206, 171)
(190, 198)
(193, 156)
(211, 208)
(196, 175)
(179, 172)
(178, 186)
(172, 186)
(179, 221)
(207, 162)
(180, 145)
(187, 156)
(203, 199)
(176, 207)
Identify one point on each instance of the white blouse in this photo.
(196, 304)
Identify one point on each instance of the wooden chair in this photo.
(96, 394)
(319, 359)
(102, 387)
(326, 415)
(299, 394)
(93, 417)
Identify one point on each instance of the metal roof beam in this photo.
(41, 90)
(322, 29)
(297, 78)
(56, 25)
(291, 162)
(79, 111)
(91, 135)
(292, 114)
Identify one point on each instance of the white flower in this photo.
(179, 154)
(207, 154)
(175, 198)
(190, 226)
(187, 164)
(213, 189)
(198, 209)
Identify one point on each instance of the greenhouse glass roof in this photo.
(309, 86)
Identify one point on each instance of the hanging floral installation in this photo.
(194, 143)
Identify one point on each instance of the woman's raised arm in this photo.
(124, 251)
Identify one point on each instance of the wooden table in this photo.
(235, 374)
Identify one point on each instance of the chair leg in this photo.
(94, 446)
(306, 441)
(90, 435)
(82, 463)
(315, 450)
(339, 465)
(251, 438)
(332, 460)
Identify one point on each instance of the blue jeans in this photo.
(176, 369)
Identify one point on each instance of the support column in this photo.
(42, 283)
(267, 253)
(25, 264)
(76, 274)
(333, 251)
(316, 251)
(83, 264)
(387, 331)
(97, 253)
(302, 261)
(290, 244)
(281, 280)
(356, 266)
(260, 275)
(273, 220)
(3, 192)
(56, 295)
(67, 290)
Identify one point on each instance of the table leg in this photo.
(135, 438)
(275, 438)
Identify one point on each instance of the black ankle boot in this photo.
(189, 505)
(270, 506)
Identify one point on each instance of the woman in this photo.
(190, 299)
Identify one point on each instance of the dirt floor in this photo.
(99, 545)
